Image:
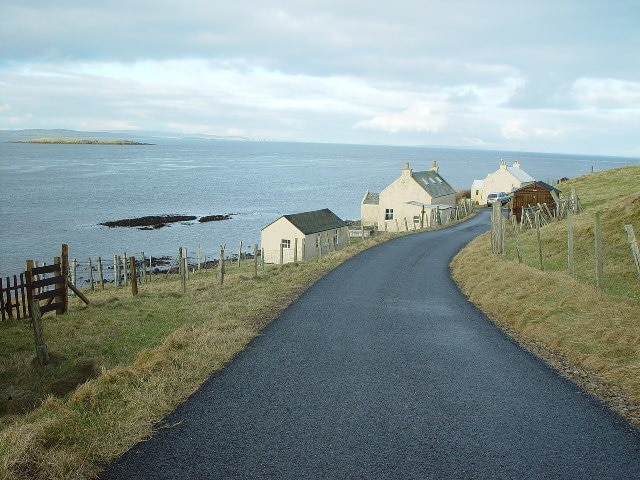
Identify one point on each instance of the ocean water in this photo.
(54, 194)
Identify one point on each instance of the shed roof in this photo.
(315, 221)
(433, 183)
(537, 183)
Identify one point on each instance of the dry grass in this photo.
(147, 354)
(592, 336)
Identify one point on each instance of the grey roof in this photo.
(316, 221)
(538, 183)
(520, 174)
(433, 183)
(371, 199)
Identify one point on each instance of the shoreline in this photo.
(79, 141)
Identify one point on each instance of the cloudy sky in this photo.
(550, 75)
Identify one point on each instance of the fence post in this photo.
(74, 271)
(255, 260)
(100, 273)
(497, 238)
(90, 267)
(537, 217)
(597, 232)
(64, 270)
(570, 262)
(184, 268)
(183, 271)
(134, 276)
(295, 250)
(633, 243)
(199, 257)
(124, 269)
(239, 254)
(42, 350)
(143, 270)
(221, 264)
(116, 271)
(61, 285)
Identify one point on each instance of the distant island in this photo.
(81, 141)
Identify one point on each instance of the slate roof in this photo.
(315, 221)
(433, 183)
(371, 198)
(520, 174)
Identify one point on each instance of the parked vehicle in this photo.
(501, 197)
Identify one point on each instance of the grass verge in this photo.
(140, 356)
(590, 335)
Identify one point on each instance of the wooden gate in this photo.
(49, 289)
(46, 284)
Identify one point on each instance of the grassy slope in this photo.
(149, 352)
(591, 336)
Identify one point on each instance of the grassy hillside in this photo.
(135, 358)
(591, 335)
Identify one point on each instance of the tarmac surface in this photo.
(384, 370)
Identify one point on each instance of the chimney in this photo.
(406, 171)
(516, 164)
(434, 167)
(503, 164)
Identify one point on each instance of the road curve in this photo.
(383, 370)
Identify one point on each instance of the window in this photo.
(388, 214)
(416, 219)
(336, 237)
(286, 243)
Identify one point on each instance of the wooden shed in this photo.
(532, 194)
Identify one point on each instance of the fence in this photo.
(539, 216)
(120, 268)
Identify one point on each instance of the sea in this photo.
(52, 194)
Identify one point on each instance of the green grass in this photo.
(591, 335)
(123, 363)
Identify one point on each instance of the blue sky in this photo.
(555, 76)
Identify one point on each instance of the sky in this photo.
(546, 76)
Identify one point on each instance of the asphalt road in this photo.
(384, 370)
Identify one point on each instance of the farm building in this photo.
(533, 194)
(414, 200)
(301, 236)
(505, 179)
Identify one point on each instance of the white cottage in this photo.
(302, 236)
(505, 179)
(414, 200)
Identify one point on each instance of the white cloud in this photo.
(416, 118)
(606, 93)
(541, 76)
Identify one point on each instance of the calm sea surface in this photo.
(54, 194)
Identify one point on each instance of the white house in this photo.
(301, 236)
(505, 179)
(414, 200)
